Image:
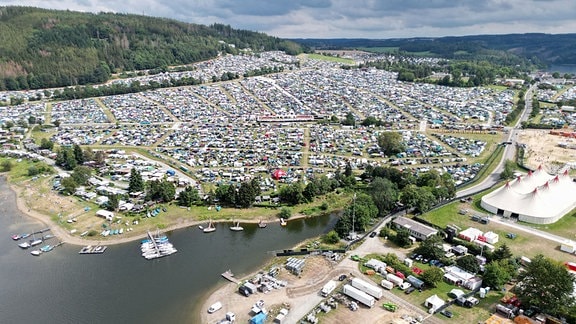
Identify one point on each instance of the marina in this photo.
(97, 249)
(156, 246)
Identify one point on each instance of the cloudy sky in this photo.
(349, 18)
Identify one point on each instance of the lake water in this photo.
(120, 286)
(568, 68)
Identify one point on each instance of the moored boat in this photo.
(16, 237)
(283, 222)
(35, 242)
(24, 245)
(236, 227)
(261, 224)
(36, 252)
(210, 228)
(47, 248)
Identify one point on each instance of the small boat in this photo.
(24, 245)
(23, 236)
(36, 252)
(16, 237)
(261, 224)
(35, 242)
(49, 236)
(236, 227)
(47, 248)
(283, 222)
(210, 228)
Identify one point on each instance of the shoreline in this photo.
(64, 236)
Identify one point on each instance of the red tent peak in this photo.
(507, 185)
(566, 173)
(540, 167)
(556, 178)
(529, 173)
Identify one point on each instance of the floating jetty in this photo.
(228, 275)
(98, 249)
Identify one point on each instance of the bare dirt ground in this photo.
(542, 149)
(302, 294)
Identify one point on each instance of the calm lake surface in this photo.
(120, 286)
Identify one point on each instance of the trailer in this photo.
(387, 284)
(397, 281)
(366, 287)
(328, 288)
(358, 295)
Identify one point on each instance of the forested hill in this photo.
(547, 48)
(42, 48)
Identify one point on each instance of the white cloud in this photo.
(347, 18)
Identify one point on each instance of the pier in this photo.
(98, 249)
(228, 275)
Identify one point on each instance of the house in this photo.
(460, 277)
(416, 229)
(108, 215)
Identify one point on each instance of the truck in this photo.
(366, 287)
(358, 295)
(397, 281)
(386, 284)
(328, 288)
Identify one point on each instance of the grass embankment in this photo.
(489, 166)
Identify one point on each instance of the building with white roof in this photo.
(537, 198)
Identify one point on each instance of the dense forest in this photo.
(50, 48)
(502, 49)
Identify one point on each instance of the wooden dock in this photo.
(228, 275)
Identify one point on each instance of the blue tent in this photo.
(259, 318)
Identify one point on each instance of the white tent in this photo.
(433, 303)
(537, 198)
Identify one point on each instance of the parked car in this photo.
(342, 277)
(446, 313)
(409, 290)
(373, 234)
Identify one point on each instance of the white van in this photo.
(216, 306)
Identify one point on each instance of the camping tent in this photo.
(278, 173)
(433, 303)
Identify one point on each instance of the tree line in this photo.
(50, 48)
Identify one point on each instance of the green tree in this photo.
(503, 252)
(69, 185)
(497, 273)
(113, 202)
(246, 194)
(188, 197)
(285, 213)
(81, 174)
(431, 248)
(6, 165)
(384, 193)
(135, 183)
(545, 284)
(402, 238)
(349, 120)
(391, 143)
(65, 158)
(468, 263)
(161, 191)
(291, 194)
(310, 191)
(432, 276)
(78, 154)
(331, 238)
(46, 144)
(508, 172)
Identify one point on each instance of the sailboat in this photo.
(283, 222)
(236, 227)
(262, 224)
(210, 228)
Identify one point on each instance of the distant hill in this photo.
(547, 48)
(47, 48)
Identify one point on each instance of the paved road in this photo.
(509, 150)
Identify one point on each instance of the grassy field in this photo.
(379, 49)
(330, 58)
